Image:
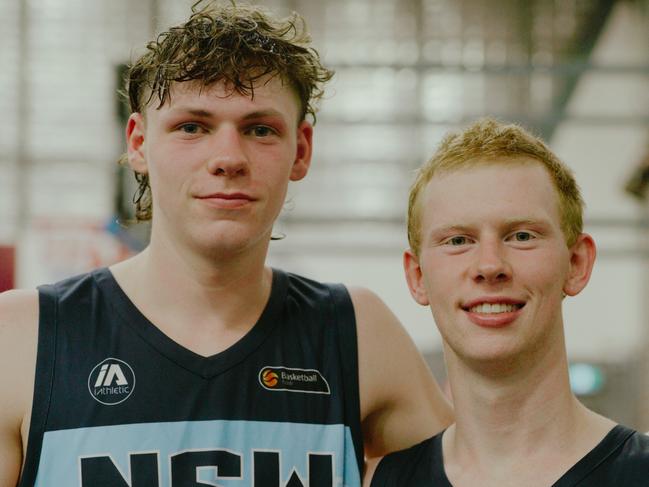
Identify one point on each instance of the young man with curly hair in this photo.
(193, 363)
(496, 244)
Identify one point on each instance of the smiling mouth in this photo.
(494, 308)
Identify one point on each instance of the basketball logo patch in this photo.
(308, 381)
(269, 378)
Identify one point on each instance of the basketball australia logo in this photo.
(111, 382)
(293, 380)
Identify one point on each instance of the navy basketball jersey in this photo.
(117, 403)
(620, 459)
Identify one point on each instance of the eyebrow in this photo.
(508, 223)
(201, 112)
(198, 112)
(450, 229)
(270, 112)
(514, 222)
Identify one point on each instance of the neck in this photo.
(506, 422)
(204, 302)
(528, 398)
(215, 271)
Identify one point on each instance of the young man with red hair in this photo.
(496, 245)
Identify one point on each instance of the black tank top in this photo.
(621, 459)
(117, 403)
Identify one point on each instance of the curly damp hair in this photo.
(486, 142)
(238, 45)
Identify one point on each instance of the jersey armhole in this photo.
(348, 347)
(44, 376)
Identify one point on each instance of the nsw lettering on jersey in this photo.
(200, 454)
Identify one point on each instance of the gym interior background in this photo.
(574, 71)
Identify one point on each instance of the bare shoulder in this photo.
(379, 333)
(367, 302)
(382, 339)
(18, 340)
(401, 403)
(18, 344)
(18, 317)
(374, 318)
(18, 299)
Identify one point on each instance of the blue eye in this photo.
(261, 131)
(457, 240)
(523, 236)
(190, 128)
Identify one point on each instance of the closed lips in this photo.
(226, 196)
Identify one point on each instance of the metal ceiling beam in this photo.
(576, 67)
(551, 118)
(584, 44)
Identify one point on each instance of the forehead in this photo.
(489, 192)
(268, 92)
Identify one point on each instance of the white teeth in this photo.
(487, 308)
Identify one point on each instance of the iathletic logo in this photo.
(111, 381)
(293, 380)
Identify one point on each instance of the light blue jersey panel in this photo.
(294, 446)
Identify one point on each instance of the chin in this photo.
(228, 242)
(487, 354)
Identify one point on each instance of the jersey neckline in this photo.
(613, 440)
(606, 447)
(206, 367)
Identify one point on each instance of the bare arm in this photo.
(401, 403)
(18, 337)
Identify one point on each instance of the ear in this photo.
(304, 150)
(135, 131)
(582, 259)
(414, 277)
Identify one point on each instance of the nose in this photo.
(491, 264)
(228, 156)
